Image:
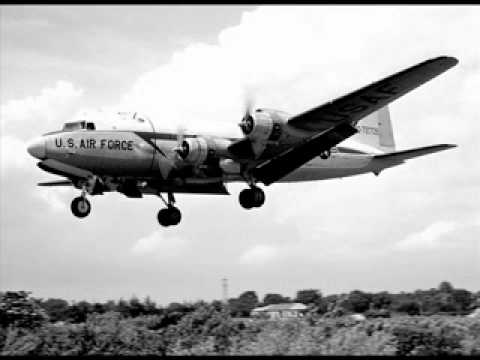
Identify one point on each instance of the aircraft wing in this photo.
(358, 104)
(294, 157)
(335, 121)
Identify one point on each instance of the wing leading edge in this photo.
(335, 121)
(360, 103)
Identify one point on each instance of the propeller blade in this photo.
(172, 158)
(179, 149)
(246, 124)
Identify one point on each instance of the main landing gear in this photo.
(171, 215)
(80, 206)
(250, 198)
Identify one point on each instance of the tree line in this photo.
(444, 299)
(30, 327)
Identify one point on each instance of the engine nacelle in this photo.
(261, 126)
(199, 150)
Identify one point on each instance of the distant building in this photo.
(280, 311)
(357, 317)
(475, 314)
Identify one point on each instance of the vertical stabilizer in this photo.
(376, 130)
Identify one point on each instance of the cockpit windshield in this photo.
(78, 125)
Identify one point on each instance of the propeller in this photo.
(182, 146)
(174, 156)
(246, 124)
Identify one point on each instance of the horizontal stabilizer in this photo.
(400, 156)
(56, 183)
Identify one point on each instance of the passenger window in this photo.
(90, 126)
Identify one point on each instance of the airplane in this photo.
(129, 154)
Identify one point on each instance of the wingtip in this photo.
(447, 146)
(449, 60)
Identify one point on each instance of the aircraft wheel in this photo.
(250, 198)
(258, 197)
(174, 216)
(169, 216)
(246, 199)
(80, 207)
(163, 217)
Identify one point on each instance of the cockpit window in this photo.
(138, 117)
(78, 125)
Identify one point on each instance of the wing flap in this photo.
(360, 103)
(274, 169)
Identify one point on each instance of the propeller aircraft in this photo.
(129, 154)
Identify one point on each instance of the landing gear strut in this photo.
(171, 215)
(250, 198)
(80, 206)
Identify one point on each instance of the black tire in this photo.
(80, 207)
(174, 216)
(163, 218)
(246, 198)
(258, 197)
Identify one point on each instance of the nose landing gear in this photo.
(80, 206)
(171, 215)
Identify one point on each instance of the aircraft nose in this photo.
(36, 148)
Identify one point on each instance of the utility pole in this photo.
(225, 290)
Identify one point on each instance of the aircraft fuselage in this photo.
(139, 154)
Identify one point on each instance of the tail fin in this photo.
(376, 130)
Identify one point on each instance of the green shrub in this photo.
(20, 341)
(19, 310)
(430, 341)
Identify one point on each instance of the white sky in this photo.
(412, 227)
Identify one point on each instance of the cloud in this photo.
(31, 116)
(294, 58)
(27, 118)
(314, 60)
(56, 197)
(13, 154)
(429, 238)
(259, 255)
(160, 245)
(292, 67)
